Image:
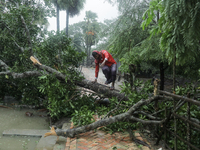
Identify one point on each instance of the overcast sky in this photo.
(103, 9)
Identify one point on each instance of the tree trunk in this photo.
(67, 21)
(58, 17)
(162, 76)
(174, 71)
(87, 61)
(96, 87)
(102, 89)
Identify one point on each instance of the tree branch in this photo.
(107, 121)
(28, 35)
(22, 75)
(146, 121)
(113, 109)
(90, 85)
(21, 48)
(96, 87)
(180, 97)
(146, 114)
(2, 64)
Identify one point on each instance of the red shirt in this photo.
(104, 55)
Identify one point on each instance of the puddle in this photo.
(16, 119)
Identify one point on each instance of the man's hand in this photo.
(103, 64)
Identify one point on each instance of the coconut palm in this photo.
(91, 28)
(56, 3)
(72, 7)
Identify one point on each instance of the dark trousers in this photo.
(110, 72)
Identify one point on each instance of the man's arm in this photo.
(105, 53)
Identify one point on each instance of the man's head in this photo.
(96, 55)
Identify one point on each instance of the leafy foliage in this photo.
(126, 31)
(128, 43)
(22, 38)
(83, 116)
(59, 95)
(73, 6)
(85, 33)
(19, 34)
(178, 31)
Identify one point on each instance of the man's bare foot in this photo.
(112, 88)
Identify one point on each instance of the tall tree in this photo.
(72, 7)
(104, 34)
(91, 28)
(127, 32)
(76, 34)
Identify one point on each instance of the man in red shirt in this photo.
(108, 65)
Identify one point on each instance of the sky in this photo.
(103, 9)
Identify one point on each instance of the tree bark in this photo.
(96, 87)
(162, 76)
(67, 21)
(102, 89)
(58, 16)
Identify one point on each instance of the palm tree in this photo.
(76, 34)
(72, 7)
(91, 29)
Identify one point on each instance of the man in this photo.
(108, 65)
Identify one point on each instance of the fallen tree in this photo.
(130, 115)
(101, 89)
(96, 87)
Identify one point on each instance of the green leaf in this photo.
(71, 105)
